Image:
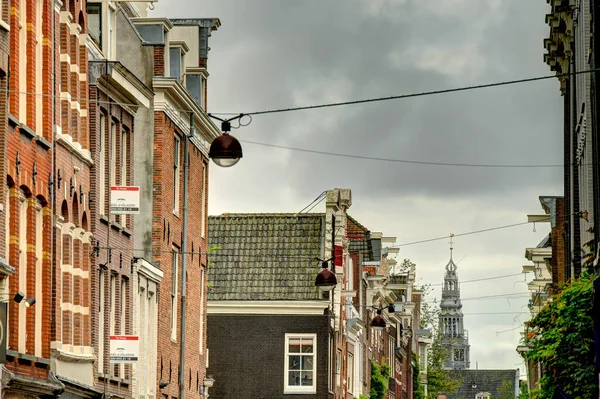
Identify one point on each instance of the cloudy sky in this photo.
(275, 54)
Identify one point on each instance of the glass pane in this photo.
(94, 23)
(175, 62)
(294, 378)
(193, 84)
(307, 345)
(294, 345)
(307, 362)
(294, 363)
(307, 378)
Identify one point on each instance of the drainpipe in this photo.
(186, 168)
(53, 182)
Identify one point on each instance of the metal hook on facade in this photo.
(534, 230)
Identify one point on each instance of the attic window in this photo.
(483, 395)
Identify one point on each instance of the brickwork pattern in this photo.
(167, 232)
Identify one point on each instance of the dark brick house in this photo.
(485, 384)
(268, 325)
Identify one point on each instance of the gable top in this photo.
(478, 381)
(265, 256)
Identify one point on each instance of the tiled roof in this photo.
(478, 381)
(358, 239)
(265, 256)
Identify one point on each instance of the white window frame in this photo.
(39, 115)
(176, 172)
(174, 291)
(22, 61)
(203, 203)
(101, 296)
(293, 389)
(111, 32)
(392, 348)
(113, 309)
(22, 276)
(483, 395)
(39, 310)
(124, 165)
(350, 373)
(113, 152)
(202, 311)
(102, 164)
(123, 318)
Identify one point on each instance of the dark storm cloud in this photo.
(277, 54)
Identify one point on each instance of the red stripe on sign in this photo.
(124, 337)
(124, 188)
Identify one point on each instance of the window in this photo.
(391, 355)
(113, 309)
(123, 318)
(124, 165)
(300, 365)
(38, 68)
(203, 203)
(350, 374)
(202, 312)
(338, 366)
(176, 173)
(175, 62)
(102, 164)
(483, 395)
(174, 283)
(101, 296)
(22, 272)
(22, 61)
(38, 278)
(193, 84)
(109, 51)
(113, 153)
(94, 11)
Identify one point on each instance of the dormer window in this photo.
(195, 81)
(177, 50)
(483, 395)
(175, 62)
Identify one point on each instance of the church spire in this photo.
(454, 338)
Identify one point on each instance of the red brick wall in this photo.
(115, 240)
(167, 231)
(20, 177)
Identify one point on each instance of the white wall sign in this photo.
(124, 348)
(124, 200)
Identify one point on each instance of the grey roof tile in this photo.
(477, 381)
(265, 256)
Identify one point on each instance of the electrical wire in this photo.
(481, 279)
(343, 103)
(506, 226)
(405, 161)
(413, 95)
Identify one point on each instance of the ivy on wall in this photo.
(561, 338)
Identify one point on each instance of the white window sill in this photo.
(294, 392)
(4, 25)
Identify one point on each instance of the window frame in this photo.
(350, 372)
(102, 164)
(101, 331)
(176, 173)
(174, 291)
(97, 40)
(302, 389)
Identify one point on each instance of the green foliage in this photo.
(380, 377)
(418, 390)
(561, 338)
(524, 390)
(210, 249)
(363, 397)
(506, 391)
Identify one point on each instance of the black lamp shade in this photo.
(30, 301)
(391, 308)
(326, 280)
(18, 297)
(225, 150)
(378, 323)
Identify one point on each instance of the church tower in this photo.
(454, 338)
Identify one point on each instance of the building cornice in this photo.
(174, 100)
(299, 308)
(148, 270)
